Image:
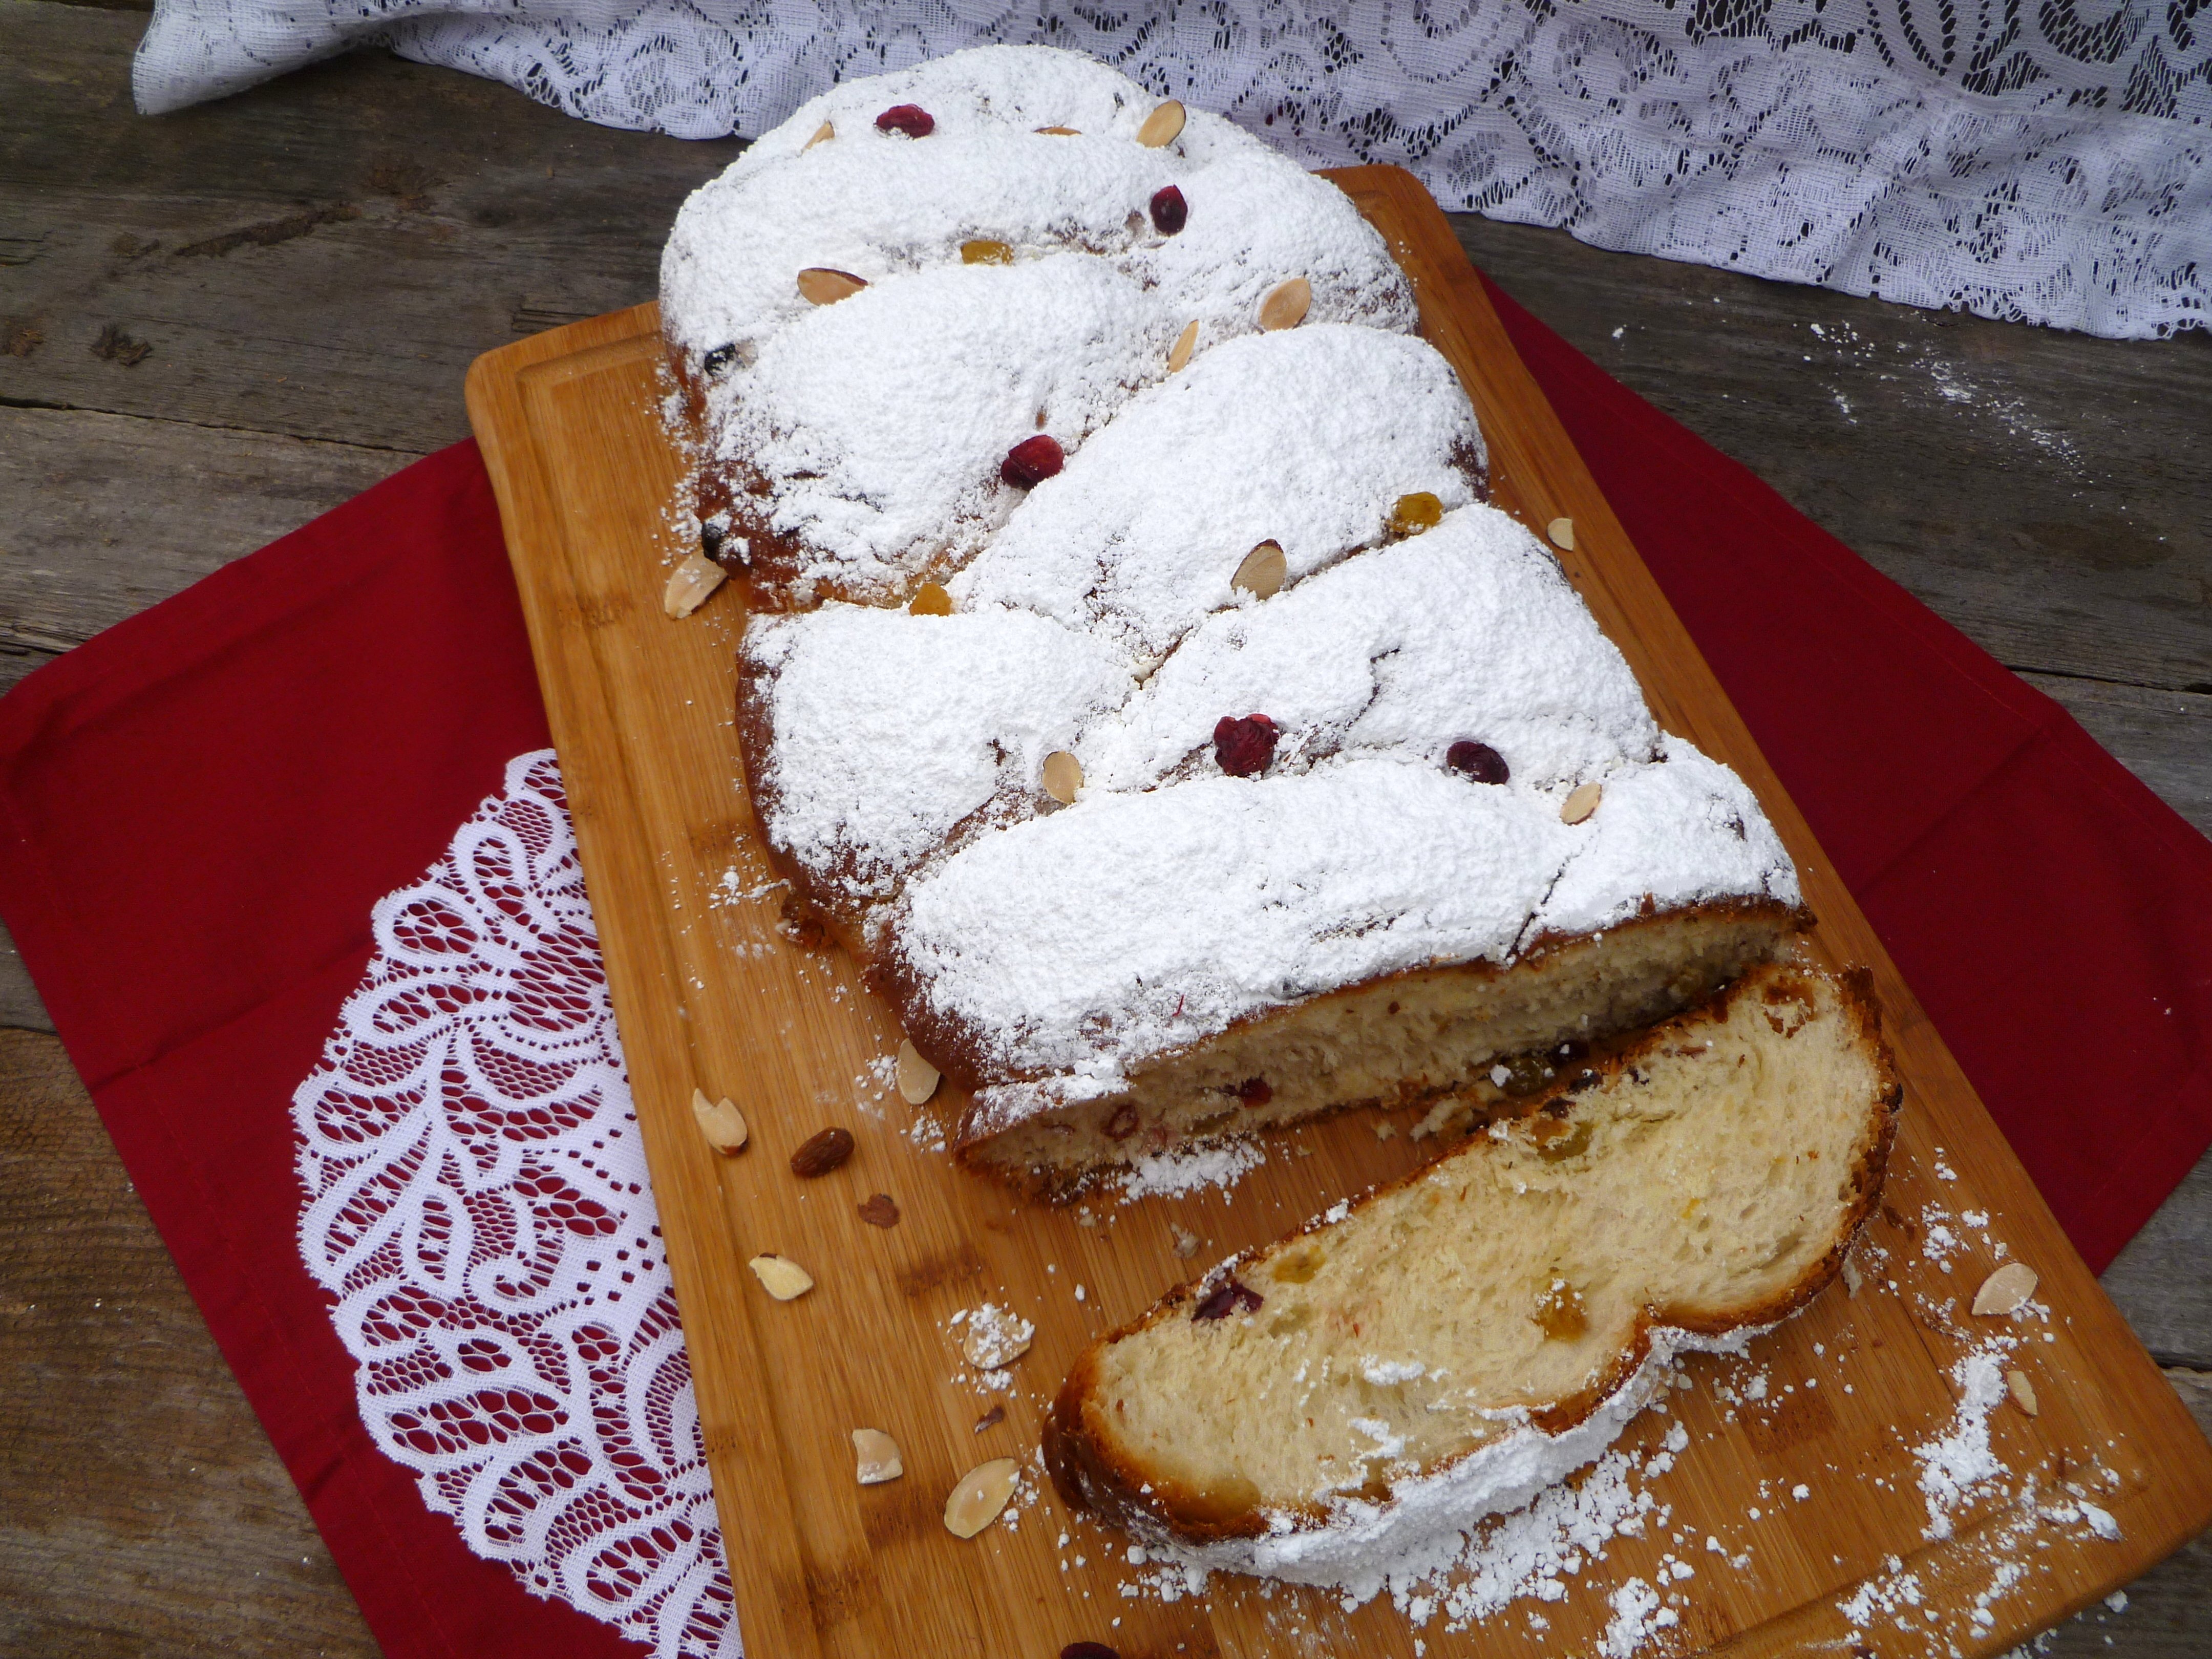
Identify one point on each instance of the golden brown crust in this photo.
(1091, 1473)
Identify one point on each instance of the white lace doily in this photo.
(476, 1202)
(2048, 162)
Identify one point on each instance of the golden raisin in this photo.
(983, 251)
(1560, 1313)
(930, 599)
(1415, 513)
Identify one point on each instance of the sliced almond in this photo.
(2005, 1289)
(2022, 1391)
(780, 1277)
(1580, 804)
(983, 250)
(818, 285)
(1262, 573)
(1285, 304)
(1852, 1279)
(1062, 133)
(879, 1456)
(917, 1077)
(1062, 777)
(1179, 353)
(823, 135)
(690, 584)
(720, 1121)
(993, 1338)
(930, 599)
(1163, 127)
(982, 1493)
(1562, 532)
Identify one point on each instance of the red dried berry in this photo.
(1478, 760)
(1227, 1298)
(1033, 460)
(1170, 211)
(1255, 1091)
(911, 119)
(1244, 747)
(1122, 1124)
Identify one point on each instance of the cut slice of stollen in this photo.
(1462, 1337)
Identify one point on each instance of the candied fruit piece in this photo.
(930, 599)
(1229, 1297)
(984, 252)
(1170, 211)
(1244, 747)
(1032, 461)
(1478, 761)
(911, 119)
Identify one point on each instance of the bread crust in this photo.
(1091, 1475)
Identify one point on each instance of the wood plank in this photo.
(2164, 738)
(711, 995)
(323, 256)
(146, 1510)
(2043, 491)
(2159, 1281)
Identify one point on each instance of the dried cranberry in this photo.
(1255, 1091)
(1227, 1298)
(911, 119)
(1088, 1651)
(1246, 746)
(1169, 210)
(1478, 760)
(1122, 1124)
(1033, 460)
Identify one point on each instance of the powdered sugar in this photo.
(1960, 1462)
(1190, 1169)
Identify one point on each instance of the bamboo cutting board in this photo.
(710, 994)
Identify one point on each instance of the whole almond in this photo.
(1262, 571)
(690, 585)
(1285, 304)
(2022, 1391)
(780, 1277)
(1581, 803)
(823, 135)
(1562, 532)
(1179, 353)
(818, 1154)
(720, 1121)
(877, 1456)
(1163, 127)
(818, 285)
(917, 1077)
(982, 1494)
(2004, 1291)
(1062, 777)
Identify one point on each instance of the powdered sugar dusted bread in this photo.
(1027, 262)
(1325, 1408)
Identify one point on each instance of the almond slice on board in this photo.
(917, 1077)
(720, 1121)
(2005, 1289)
(1163, 127)
(1179, 353)
(982, 1493)
(877, 1456)
(690, 586)
(995, 1337)
(1285, 304)
(818, 285)
(1562, 532)
(2022, 1391)
(780, 1277)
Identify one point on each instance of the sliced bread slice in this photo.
(1459, 1339)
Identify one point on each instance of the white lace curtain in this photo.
(2038, 160)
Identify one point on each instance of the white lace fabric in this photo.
(2050, 163)
(477, 1205)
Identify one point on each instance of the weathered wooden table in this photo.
(215, 325)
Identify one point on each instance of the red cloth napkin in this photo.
(199, 807)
